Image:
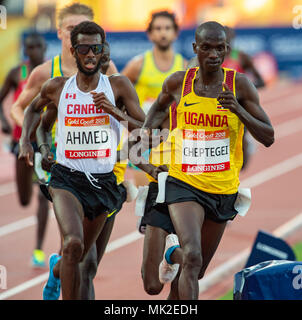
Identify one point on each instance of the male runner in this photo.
(213, 106)
(82, 211)
(61, 65)
(90, 264)
(149, 70)
(34, 49)
(241, 62)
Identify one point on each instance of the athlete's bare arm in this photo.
(133, 68)
(10, 83)
(248, 109)
(44, 137)
(111, 69)
(49, 96)
(171, 91)
(248, 66)
(125, 95)
(33, 86)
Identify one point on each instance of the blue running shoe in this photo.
(51, 290)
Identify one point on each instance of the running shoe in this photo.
(168, 272)
(38, 259)
(51, 290)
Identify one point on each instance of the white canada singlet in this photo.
(87, 137)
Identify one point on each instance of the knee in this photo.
(73, 248)
(192, 259)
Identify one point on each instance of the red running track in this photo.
(276, 195)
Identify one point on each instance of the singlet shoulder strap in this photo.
(188, 81)
(56, 68)
(173, 116)
(229, 79)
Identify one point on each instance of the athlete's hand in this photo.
(26, 152)
(227, 99)
(101, 101)
(155, 172)
(47, 158)
(5, 127)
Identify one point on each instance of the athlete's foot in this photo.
(51, 290)
(168, 271)
(38, 259)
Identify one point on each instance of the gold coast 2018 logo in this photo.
(297, 20)
(2, 17)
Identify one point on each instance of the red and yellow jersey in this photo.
(23, 76)
(208, 140)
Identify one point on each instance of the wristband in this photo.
(42, 144)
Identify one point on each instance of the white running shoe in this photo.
(167, 272)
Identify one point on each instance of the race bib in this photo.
(89, 137)
(205, 151)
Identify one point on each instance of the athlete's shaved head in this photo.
(209, 29)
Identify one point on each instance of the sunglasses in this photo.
(85, 48)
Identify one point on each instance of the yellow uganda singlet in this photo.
(119, 168)
(150, 81)
(208, 140)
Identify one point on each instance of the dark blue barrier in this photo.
(268, 247)
(269, 280)
(285, 44)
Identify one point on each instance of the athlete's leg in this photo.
(211, 234)
(88, 269)
(103, 238)
(154, 244)
(188, 218)
(42, 216)
(69, 214)
(173, 294)
(24, 175)
(92, 259)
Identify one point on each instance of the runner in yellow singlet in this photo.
(213, 106)
(149, 70)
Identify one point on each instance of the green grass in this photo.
(298, 252)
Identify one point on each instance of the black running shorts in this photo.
(218, 207)
(157, 214)
(94, 201)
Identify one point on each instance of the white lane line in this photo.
(24, 286)
(123, 241)
(238, 261)
(287, 128)
(18, 225)
(210, 279)
(113, 245)
(285, 230)
(273, 172)
(7, 188)
(21, 224)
